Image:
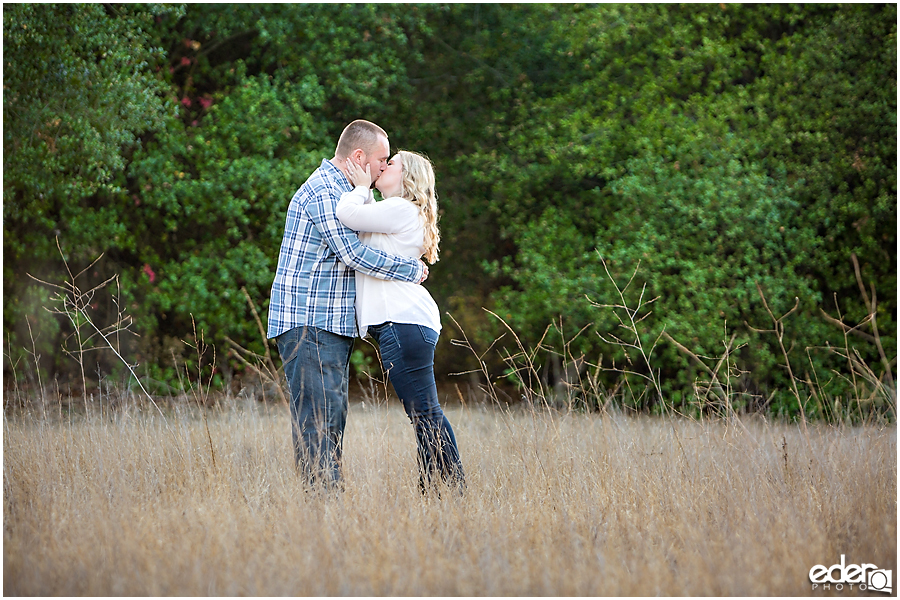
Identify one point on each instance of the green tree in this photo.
(78, 93)
(676, 142)
(719, 146)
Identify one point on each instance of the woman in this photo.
(402, 317)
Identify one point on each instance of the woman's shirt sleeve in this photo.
(358, 210)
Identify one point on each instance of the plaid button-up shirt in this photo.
(315, 283)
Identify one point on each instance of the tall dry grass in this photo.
(121, 503)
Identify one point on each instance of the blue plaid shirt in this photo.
(315, 283)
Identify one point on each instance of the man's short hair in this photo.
(358, 134)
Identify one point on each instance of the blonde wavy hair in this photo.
(418, 187)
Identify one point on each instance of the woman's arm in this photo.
(358, 211)
(320, 209)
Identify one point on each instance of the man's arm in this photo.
(353, 253)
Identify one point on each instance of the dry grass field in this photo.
(125, 503)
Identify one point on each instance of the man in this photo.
(311, 310)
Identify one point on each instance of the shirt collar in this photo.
(337, 174)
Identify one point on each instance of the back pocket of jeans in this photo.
(429, 335)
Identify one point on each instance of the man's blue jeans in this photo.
(407, 356)
(317, 367)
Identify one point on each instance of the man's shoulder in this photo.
(325, 175)
(319, 183)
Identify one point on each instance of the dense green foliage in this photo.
(714, 148)
(733, 147)
(78, 92)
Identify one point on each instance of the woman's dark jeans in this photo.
(407, 355)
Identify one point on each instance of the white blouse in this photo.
(395, 226)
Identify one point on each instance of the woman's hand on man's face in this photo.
(357, 175)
